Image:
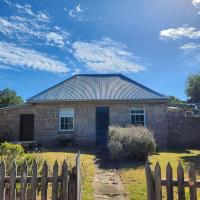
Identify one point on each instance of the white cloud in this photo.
(196, 2)
(106, 56)
(27, 9)
(180, 32)
(25, 30)
(77, 12)
(17, 57)
(76, 71)
(190, 46)
(56, 38)
(78, 8)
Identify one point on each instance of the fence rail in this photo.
(155, 182)
(66, 186)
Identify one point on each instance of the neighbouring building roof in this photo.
(86, 87)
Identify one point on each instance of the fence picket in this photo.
(169, 185)
(23, 192)
(2, 180)
(64, 181)
(55, 181)
(158, 187)
(180, 179)
(13, 181)
(34, 181)
(44, 181)
(150, 182)
(192, 183)
(8, 184)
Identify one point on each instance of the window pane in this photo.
(62, 120)
(62, 127)
(142, 118)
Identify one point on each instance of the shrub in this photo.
(10, 152)
(130, 143)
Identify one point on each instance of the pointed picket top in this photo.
(64, 165)
(157, 167)
(34, 166)
(25, 166)
(55, 166)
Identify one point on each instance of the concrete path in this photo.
(107, 183)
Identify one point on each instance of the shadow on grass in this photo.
(104, 161)
(195, 160)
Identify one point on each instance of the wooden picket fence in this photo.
(155, 182)
(66, 186)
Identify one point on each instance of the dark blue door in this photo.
(102, 122)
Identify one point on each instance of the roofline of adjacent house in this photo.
(102, 75)
(16, 106)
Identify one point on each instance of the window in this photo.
(138, 117)
(66, 119)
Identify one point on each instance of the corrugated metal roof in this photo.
(86, 87)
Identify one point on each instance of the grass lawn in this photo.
(133, 176)
(87, 160)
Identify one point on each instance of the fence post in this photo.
(150, 183)
(2, 179)
(192, 183)
(180, 179)
(78, 176)
(169, 177)
(158, 187)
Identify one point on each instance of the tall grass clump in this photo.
(130, 143)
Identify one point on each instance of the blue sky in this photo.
(154, 42)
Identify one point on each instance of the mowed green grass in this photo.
(133, 175)
(87, 162)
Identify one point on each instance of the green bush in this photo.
(10, 152)
(130, 143)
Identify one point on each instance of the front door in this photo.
(26, 127)
(102, 122)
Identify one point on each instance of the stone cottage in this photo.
(82, 107)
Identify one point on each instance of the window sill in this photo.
(65, 132)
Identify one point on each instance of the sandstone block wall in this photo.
(46, 120)
(184, 131)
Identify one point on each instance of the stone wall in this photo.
(46, 118)
(184, 130)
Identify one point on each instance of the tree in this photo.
(174, 100)
(193, 87)
(8, 97)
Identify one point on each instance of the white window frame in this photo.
(65, 115)
(138, 108)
